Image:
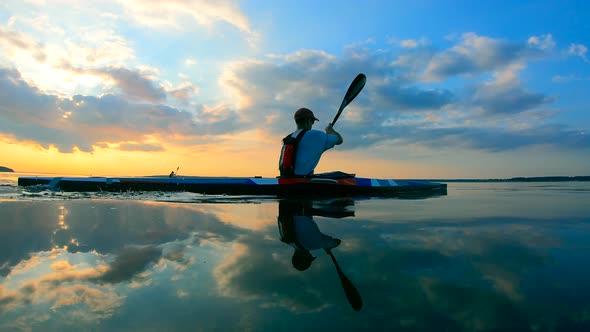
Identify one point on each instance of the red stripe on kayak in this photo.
(293, 180)
(348, 181)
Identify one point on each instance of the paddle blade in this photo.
(353, 90)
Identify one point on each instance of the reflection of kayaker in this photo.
(299, 230)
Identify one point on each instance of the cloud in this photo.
(61, 265)
(498, 139)
(12, 42)
(140, 147)
(84, 121)
(179, 14)
(578, 50)
(82, 58)
(482, 138)
(156, 13)
(100, 303)
(544, 42)
(184, 91)
(59, 277)
(412, 98)
(128, 263)
(275, 88)
(134, 84)
(68, 285)
(407, 85)
(97, 48)
(88, 59)
(409, 43)
(396, 107)
(507, 101)
(63, 288)
(504, 95)
(479, 54)
(120, 253)
(26, 231)
(412, 43)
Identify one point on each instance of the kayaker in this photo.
(303, 148)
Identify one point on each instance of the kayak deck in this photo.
(320, 185)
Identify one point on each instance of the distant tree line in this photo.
(6, 169)
(522, 179)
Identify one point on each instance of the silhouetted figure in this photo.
(173, 174)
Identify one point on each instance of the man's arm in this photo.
(331, 131)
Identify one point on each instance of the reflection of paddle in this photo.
(352, 294)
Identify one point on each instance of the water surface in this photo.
(486, 257)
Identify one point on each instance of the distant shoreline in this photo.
(514, 179)
(6, 169)
(521, 179)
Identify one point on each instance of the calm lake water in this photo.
(486, 257)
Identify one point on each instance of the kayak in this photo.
(333, 184)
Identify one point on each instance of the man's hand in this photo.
(331, 131)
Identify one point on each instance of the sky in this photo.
(455, 89)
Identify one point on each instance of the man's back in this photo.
(312, 144)
(311, 147)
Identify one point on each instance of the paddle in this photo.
(353, 90)
(352, 294)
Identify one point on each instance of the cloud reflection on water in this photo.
(142, 265)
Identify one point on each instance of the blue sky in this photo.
(455, 88)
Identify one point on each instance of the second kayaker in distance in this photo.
(303, 148)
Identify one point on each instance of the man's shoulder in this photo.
(313, 135)
(314, 132)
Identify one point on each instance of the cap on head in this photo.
(305, 113)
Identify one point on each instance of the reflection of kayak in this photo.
(333, 184)
(333, 207)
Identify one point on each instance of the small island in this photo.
(6, 169)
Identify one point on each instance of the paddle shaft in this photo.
(352, 294)
(353, 90)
